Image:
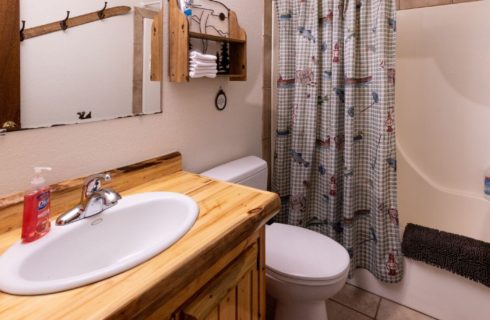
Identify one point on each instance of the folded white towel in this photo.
(197, 55)
(202, 64)
(208, 70)
(202, 70)
(201, 75)
(199, 63)
(201, 56)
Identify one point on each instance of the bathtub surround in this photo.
(335, 166)
(440, 78)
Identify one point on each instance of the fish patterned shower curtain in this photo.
(335, 154)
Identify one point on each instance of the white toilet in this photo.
(304, 268)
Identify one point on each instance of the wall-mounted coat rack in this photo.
(68, 22)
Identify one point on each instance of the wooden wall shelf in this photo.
(179, 36)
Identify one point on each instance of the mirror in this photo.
(86, 60)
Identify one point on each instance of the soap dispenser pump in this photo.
(37, 201)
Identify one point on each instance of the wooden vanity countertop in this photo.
(228, 215)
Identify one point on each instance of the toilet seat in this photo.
(304, 282)
(301, 256)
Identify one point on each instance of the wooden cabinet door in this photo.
(241, 303)
(233, 295)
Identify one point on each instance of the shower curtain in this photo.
(335, 155)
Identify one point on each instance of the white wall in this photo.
(443, 114)
(189, 123)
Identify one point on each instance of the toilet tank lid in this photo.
(237, 170)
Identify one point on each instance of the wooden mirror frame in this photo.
(9, 65)
(10, 42)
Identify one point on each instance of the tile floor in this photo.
(353, 303)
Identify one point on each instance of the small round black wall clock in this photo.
(221, 100)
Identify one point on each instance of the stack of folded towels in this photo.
(202, 65)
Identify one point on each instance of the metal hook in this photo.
(101, 13)
(64, 24)
(22, 37)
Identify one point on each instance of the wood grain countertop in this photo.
(228, 215)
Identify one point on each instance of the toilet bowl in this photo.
(303, 268)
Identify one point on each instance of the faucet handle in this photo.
(93, 183)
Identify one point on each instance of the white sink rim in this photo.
(11, 262)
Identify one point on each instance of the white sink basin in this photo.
(122, 237)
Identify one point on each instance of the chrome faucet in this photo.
(94, 200)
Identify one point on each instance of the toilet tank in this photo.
(249, 171)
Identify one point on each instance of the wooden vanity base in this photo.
(216, 271)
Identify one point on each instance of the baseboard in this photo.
(435, 292)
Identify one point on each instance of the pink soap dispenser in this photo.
(37, 201)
